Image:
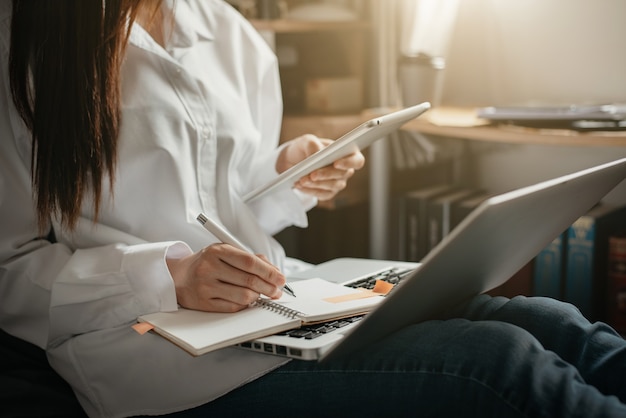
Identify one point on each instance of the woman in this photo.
(121, 121)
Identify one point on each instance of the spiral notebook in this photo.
(318, 300)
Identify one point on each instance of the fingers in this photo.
(222, 278)
(298, 149)
(244, 286)
(354, 161)
(326, 182)
(241, 269)
(314, 143)
(322, 189)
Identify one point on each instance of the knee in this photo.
(491, 340)
(486, 345)
(532, 313)
(497, 353)
(545, 310)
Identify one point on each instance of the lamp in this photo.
(427, 27)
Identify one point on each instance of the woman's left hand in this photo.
(323, 183)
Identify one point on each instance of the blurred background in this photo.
(343, 61)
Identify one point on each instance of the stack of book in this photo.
(427, 215)
(616, 285)
(585, 265)
(575, 266)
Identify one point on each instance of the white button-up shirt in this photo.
(200, 128)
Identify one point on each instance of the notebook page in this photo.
(311, 300)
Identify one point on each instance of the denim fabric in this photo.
(490, 357)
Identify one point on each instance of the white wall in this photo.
(505, 167)
(537, 51)
(512, 52)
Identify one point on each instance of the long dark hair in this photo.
(64, 66)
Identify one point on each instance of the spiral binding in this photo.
(278, 308)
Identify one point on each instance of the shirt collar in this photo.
(186, 28)
(182, 31)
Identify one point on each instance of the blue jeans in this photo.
(490, 357)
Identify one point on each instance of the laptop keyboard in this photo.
(393, 275)
(310, 332)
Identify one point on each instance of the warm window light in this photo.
(427, 26)
(426, 30)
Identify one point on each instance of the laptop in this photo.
(486, 248)
(581, 117)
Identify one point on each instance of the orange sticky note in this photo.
(364, 293)
(382, 287)
(142, 327)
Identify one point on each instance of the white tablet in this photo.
(357, 139)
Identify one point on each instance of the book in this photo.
(415, 212)
(466, 206)
(318, 300)
(549, 268)
(439, 213)
(400, 183)
(616, 286)
(587, 258)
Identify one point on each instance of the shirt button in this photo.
(206, 133)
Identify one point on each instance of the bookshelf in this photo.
(521, 135)
(369, 190)
(460, 123)
(318, 50)
(310, 51)
(339, 49)
(314, 50)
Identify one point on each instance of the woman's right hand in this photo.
(222, 278)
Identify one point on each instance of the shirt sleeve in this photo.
(91, 288)
(108, 286)
(282, 208)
